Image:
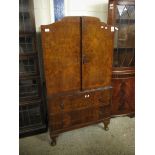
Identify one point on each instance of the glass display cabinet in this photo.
(32, 111)
(121, 14)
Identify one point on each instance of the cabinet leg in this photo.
(106, 123)
(132, 115)
(53, 140)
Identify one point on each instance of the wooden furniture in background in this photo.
(122, 15)
(32, 113)
(77, 53)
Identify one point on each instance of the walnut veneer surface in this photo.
(77, 54)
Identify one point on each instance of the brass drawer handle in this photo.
(87, 96)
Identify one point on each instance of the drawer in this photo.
(73, 118)
(71, 102)
(79, 101)
(79, 117)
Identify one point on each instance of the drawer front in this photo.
(78, 117)
(79, 101)
(69, 111)
(71, 102)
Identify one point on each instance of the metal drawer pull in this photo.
(87, 96)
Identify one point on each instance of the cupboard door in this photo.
(97, 46)
(61, 53)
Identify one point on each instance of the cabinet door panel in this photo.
(97, 46)
(61, 52)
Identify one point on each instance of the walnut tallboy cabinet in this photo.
(77, 54)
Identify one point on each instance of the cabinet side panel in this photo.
(61, 53)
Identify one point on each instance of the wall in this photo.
(97, 8)
(44, 14)
(43, 11)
